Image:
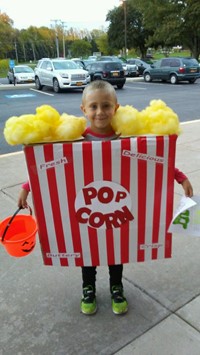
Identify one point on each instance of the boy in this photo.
(99, 104)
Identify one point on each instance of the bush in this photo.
(4, 65)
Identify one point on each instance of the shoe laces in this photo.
(88, 294)
(117, 294)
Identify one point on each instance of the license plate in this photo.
(115, 74)
(193, 70)
(79, 84)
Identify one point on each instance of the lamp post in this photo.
(56, 33)
(63, 29)
(125, 27)
(124, 4)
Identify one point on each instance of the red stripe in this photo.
(107, 175)
(170, 193)
(88, 178)
(37, 202)
(142, 192)
(125, 182)
(55, 205)
(157, 195)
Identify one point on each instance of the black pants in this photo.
(89, 275)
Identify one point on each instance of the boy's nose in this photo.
(99, 109)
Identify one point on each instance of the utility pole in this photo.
(56, 33)
(125, 26)
(16, 52)
(124, 5)
(64, 24)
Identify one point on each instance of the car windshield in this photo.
(23, 70)
(64, 65)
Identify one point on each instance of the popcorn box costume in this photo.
(100, 203)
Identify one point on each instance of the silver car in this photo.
(21, 74)
(60, 74)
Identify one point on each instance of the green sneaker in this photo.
(119, 302)
(88, 302)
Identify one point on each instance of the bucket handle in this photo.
(11, 219)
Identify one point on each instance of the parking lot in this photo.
(21, 99)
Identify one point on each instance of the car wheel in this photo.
(38, 84)
(56, 86)
(120, 86)
(173, 79)
(147, 77)
(192, 81)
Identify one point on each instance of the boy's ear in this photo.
(82, 108)
(116, 107)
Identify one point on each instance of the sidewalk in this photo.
(40, 305)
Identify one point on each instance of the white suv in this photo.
(60, 74)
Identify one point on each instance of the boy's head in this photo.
(99, 104)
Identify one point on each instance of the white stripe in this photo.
(44, 187)
(163, 211)
(133, 243)
(79, 184)
(116, 177)
(98, 175)
(151, 150)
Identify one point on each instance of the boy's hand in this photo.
(22, 200)
(187, 187)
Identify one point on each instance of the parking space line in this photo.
(42, 92)
(135, 87)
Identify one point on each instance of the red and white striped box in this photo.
(103, 203)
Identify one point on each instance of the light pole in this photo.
(63, 29)
(56, 33)
(125, 27)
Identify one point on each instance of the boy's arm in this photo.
(22, 199)
(182, 179)
(23, 195)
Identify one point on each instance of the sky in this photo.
(80, 14)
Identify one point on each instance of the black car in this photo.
(129, 69)
(140, 64)
(109, 71)
(173, 69)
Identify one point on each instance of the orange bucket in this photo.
(18, 234)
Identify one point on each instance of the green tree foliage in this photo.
(172, 22)
(6, 35)
(102, 43)
(80, 48)
(190, 26)
(127, 20)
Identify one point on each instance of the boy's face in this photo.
(99, 107)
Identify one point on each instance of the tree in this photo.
(136, 32)
(172, 22)
(99, 41)
(190, 26)
(80, 48)
(6, 35)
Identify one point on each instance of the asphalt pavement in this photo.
(40, 305)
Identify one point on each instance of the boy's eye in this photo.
(93, 107)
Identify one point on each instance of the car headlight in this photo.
(64, 76)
